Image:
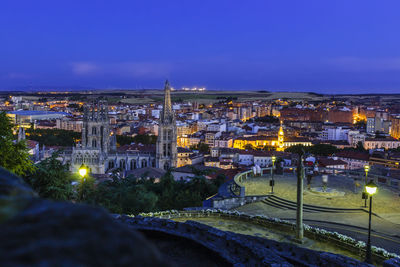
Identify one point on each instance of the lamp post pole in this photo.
(83, 171)
(365, 195)
(370, 188)
(368, 252)
(272, 182)
(299, 212)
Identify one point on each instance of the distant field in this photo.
(215, 96)
(145, 100)
(150, 96)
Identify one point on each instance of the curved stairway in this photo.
(285, 204)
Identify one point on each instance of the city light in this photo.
(83, 171)
(371, 188)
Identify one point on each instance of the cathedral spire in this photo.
(167, 114)
(166, 151)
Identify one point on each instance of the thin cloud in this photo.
(122, 69)
(84, 68)
(16, 75)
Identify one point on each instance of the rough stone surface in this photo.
(241, 250)
(45, 233)
(38, 232)
(12, 185)
(392, 263)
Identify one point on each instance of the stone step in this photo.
(277, 204)
(322, 208)
(281, 203)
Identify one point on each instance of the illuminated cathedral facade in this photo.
(98, 151)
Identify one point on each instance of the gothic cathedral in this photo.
(98, 150)
(96, 142)
(166, 155)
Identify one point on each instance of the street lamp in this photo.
(272, 182)
(364, 194)
(83, 171)
(370, 188)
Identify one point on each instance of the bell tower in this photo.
(95, 129)
(166, 156)
(95, 143)
(280, 139)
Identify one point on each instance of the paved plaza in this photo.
(237, 226)
(386, 206)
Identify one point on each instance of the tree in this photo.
(297, 149)
(145, 139)
(318, 149)
(53, 137)
(51, 179)
(14, 156)
(202, 148)
(124, 196)
(86, 191)
(267, 118)
(323, 150)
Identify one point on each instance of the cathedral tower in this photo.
(96, 142)
(166, 156)
(96, 129)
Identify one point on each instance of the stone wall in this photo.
(334, 239)
(234, 202)
(240, 250)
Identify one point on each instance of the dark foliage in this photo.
(131, 195)
(267, 118)
(14, 156)
(140, 138)
(319, 149)
(202, 148)
(53, 137)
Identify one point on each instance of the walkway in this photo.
(345, 214)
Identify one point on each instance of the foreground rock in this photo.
(37, 232)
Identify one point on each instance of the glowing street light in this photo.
(83, 171)
(364, 194)
(272, 182)
(371, 189)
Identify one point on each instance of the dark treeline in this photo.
(52, 180)
(145, 139)
(57, 137)
(53, 137)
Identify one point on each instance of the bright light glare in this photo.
(371, 189)
(82, 172)
(366, 168)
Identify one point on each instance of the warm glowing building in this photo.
(280, 139)
(280, 143)
(395, 128)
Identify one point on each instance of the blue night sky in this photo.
(326, 46)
